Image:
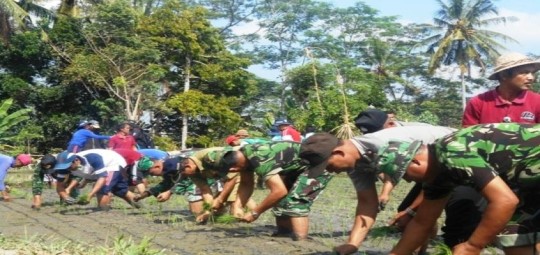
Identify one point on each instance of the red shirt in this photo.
(129, 155)
(119, 142)
(290, 131)
(489, 107)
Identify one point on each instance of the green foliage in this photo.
(458, 36)
(165, 143)
(116, 59)
(126, 245)
(8, 121)
(50, 245)
(212, 112)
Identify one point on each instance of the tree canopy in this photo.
(179, 64)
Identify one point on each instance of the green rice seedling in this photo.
(83, 199)
(208, 208)
(441, 249)
(123, 245)
(226, 218)
(379, 234)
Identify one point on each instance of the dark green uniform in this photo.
(477, 154)
(37, 180)
(283, 158)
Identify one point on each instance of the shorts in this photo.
(115, 183)
(234, 191)
(304, 191)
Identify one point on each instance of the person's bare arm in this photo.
(366, 212)
(387, 188)
(502, 203)
(419, 228)
(245, 190)
(228, 187)
(99, 184)
(278, 190)
(401, 219)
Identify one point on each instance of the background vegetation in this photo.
(182, 66)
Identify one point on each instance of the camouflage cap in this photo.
(144, 164)
(395, 157)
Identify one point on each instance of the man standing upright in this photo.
(511, 100)
(123, 139)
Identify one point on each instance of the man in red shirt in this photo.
(122, 139)
(288, 133)
(511, 101)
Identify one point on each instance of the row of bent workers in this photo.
(500, 161)
(483, 176)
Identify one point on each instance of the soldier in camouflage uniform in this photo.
(197, 176)
(291, 191)
(500, 160)
(45, 167)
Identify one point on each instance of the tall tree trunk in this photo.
(463, 91)
(5, 27)
(187, 75)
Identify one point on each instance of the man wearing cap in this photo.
(372, 120)
(242, 138)
(287, 131)
(355, 156)
(81, 136)
(291, 191)
(45, 167)
(464, 200)
(500, 160)
(102, 166)
(512, 100)
(7, 162)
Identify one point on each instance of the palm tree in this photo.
(388, 62)
(457, 36)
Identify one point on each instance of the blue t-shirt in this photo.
(154, 153)
(80, 137)
(6, 162)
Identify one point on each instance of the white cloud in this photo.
(525, 31)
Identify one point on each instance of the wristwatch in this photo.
(254, 214)
(410, 212)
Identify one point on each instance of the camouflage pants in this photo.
(524, 228)
(188, 188)
(301, 196)
(37, 181)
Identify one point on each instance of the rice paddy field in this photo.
(169, 227)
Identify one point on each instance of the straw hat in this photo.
(511, 60)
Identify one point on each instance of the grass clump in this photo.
(50, 245)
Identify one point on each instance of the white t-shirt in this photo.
(374, 141)
(98, 163)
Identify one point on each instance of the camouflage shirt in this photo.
(476, 155)
(273, 158)
(207, 162)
